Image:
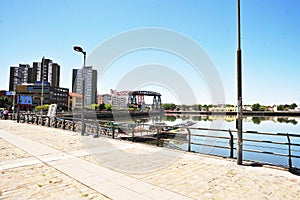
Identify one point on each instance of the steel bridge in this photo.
(136, 99)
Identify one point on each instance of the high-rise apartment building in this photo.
(19, 75)
(90, 84)
(45, 70)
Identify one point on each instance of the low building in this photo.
(75, 101)
(119, 100)
(29, 96)
(105, 98)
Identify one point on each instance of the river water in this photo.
(262, 125)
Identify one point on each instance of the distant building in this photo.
(29, 96)
(122, 100)
(224, 108)
(90, 84)
(75, 100)
(45, 70)
(119, 100)
(18, 75)
(105, 98)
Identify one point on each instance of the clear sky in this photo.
(32, 29)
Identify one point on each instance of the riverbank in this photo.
(45, 163)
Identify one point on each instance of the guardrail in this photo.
(254, 143)
(159, 133)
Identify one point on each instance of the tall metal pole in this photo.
(42, 92)
(14, 100)
(239, 94)
(18, 98)
(79, 49)
(18, 111)
(83, 94)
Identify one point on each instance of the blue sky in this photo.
(32, 29)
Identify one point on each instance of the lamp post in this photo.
(42, 92)
(18, 100)
(239, 94)
(79, 49)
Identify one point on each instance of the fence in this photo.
(159, 133)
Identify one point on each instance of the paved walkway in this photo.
(46, 163)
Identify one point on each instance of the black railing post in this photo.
(132, 131)
(97, 130)
(113, 131)
(290, 153)
(64, 124)
(55, 122)
(157, 136)
(73, 125)
(18, 117)
(83, 127)
(189, 139)
(231, 143)
(48, 121)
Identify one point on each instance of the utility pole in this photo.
(239, 94)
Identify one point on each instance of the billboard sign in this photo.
(40, 83)
(26, 100)
(10, 93)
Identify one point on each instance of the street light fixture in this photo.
(79, 49)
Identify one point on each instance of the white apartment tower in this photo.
(90, 77)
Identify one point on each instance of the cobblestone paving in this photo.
(201, 180)
(39, 181)
(42, 182)
(10, 152)
(55, 138)
(195, 176)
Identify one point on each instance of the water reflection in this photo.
(230, 118)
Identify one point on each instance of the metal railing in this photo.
(159, 133)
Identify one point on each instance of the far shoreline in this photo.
(245, 113)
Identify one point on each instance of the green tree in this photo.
(45, 107)
(184, 107)
(101, 106)
(93, 106)
(256, 107)
(108, 106)
(6, 102)
(280, 107)
(169, 106)
(293, 106)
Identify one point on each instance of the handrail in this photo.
(116, 129)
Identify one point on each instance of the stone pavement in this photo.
(46, 163)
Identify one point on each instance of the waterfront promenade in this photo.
(45, 163)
